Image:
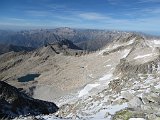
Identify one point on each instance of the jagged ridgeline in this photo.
(86, 39)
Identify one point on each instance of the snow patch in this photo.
(149, 79)
(106, 77)
(86, 89)
(158, 69)
(126, 52)
(142, 56)
(131, 41)
(113, 109)
(121, 44)
(102, 51)
(137, 119)
(101, 116)
(157, 86)
(108, 66)
(156, 42)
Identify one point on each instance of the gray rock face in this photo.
(128, 68)
(65, 47)
(135, 102)
(128, 96)
(14, 103)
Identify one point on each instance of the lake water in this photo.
(28, 77)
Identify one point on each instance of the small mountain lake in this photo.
(28, 77)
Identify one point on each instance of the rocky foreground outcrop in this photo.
(14, 103)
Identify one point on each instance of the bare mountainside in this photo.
(121, 81)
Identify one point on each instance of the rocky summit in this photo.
(121, 81)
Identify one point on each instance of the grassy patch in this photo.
(123, 115)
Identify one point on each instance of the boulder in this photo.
(128, 96)
(135, 102)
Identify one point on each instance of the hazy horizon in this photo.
(154, 33)
(123, 15)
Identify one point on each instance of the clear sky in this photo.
(134, 15)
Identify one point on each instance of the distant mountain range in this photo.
(4, 48)
(86, 39)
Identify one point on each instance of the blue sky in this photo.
(133, 15)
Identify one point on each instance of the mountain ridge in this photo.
(86, 39)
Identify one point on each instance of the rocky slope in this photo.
(14, 103)
(129, 91)
(119, 82)
(51, 58)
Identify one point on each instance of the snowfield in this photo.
(86, 89)
(126, 52)
(137, 119)
(156, 41)
(115, 108)
(143, 56)
(106, 77)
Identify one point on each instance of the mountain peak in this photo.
(64, 46)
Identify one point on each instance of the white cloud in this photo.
(146, 1)
(113, 2)
(151, 10)
(38, 13)
(93, 16)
